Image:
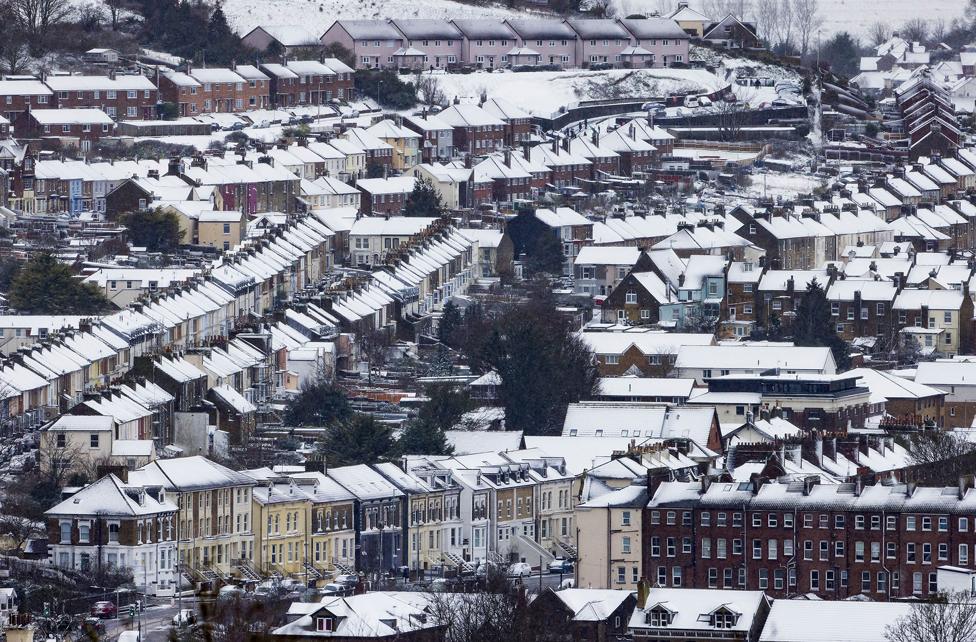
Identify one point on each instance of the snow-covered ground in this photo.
(854, 16)
(542, 93)
(786, 184)
(318, 15)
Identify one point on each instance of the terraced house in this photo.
(213, 527)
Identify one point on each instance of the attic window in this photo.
(724, 619)
(659, 616)
(325, 624)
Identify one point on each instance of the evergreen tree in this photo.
(359, 439)
(157, 231)
(424, 200)
(422, 438)
(813, 325)
(450, 325)
(542, 362)
(843, 53)
(444, 406)
(546, 255)
(319, 404)
(46, 286)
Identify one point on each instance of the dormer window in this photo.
(723, 618)
(325, 624)
(659, 616)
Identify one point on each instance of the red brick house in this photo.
(86, 126)
(122, 97)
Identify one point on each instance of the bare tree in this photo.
(950, 618)
(115, 10)
(36, 18)
(784, 26)
(603, 9)
(915, 30)
(718, 9)
(934, 446)
(731, 116)
(767, 20)
(939, 30)
(429, 90)
(808, 20)
(496, 613)
(879, 32)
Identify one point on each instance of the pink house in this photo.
(440, 42)
(599, 42)
(661, 38)
(375, 43)
(554, 42)
(486, 43)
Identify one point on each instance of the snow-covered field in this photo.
(773, 184)
(854, 16)
(318, 15)
(544, 92)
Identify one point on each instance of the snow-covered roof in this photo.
(756, 357)
(111, 497)
(690, 609)
(831, 621)
(188, 474)
(70, 117)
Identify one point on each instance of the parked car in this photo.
(652, 106)
(440, 585)
(130, 636)
(184, 617)
(334, 589)
(348, 580)
(561, 565)
(229, 592)
(519, 569)
(103, 609)
(291, 584)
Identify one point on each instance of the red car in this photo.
(103, 610)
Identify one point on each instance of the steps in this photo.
(458, 562)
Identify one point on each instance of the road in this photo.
(537, 583)
(155, 621)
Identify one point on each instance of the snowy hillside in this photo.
(854, 16)
(542, 93)
(318, 15)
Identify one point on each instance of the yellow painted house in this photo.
(280, 511)
(332, 538)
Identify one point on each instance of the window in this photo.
(963, 554)
(814, 580)
(943, 524)
(910, 552)
(757, 549)
(324, 624)
(963, 524)
(706, 519)
(839, 547)
(909, 522)
(763, 578)
(675, 576)
(93, 440)
(706, 548)
(84, 532)
(625, 545)
(625, 518)
(631, 297)
(65, 532)
(890, 550)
